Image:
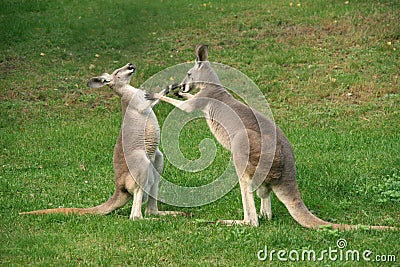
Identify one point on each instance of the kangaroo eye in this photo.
(189, 74)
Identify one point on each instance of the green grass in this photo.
(329, 70)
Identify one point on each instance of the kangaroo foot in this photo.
(265, 214)
(238, 222)
(163, 213)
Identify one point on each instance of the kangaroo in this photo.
(140, 130)
(251, 137)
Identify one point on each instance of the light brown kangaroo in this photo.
(140, 130)
(261, 152)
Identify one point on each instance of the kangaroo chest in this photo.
(141, 131)
(219, 132)
(151, 136)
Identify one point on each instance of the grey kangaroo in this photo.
(141, 133)
(251, 137)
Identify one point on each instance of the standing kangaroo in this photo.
(137, 164)
(250, 136)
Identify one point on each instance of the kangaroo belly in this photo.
(152, 136)
(140, 131)
(220, 133)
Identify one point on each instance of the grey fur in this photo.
(250, 137)
(133, 170)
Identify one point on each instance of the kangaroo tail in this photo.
(289, 194)
(79, 211)
(118, 199)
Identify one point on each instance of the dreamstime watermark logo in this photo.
(337, 253)
(241, 87)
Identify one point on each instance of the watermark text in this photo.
(337, 253)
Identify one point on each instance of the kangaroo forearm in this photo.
(186, 95)
(182, 105)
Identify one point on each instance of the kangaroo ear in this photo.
(201, 52)
(97, 82)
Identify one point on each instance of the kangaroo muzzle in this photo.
(131, 67)
(186, 87)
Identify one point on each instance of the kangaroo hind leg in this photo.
(156, 170)
(137, 180)
(264, 193)
(241, 158)
(249, 208)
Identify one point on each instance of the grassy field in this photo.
(329, 70)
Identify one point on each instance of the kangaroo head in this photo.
(119, 78)
(202, 72)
